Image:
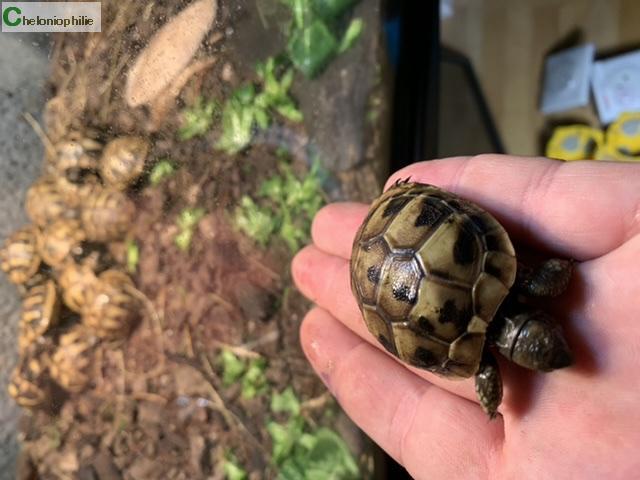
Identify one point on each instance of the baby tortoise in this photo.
(19, 257)
(45, 203)
(30, 386)
(76, 153)
(58, 240)
(107, 215)
(71, 362)
(123, 161)
(40, 312)
(111, 310)
(430, 272)
(76, 281)
(75, 186)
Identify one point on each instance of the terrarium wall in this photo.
(167, 169)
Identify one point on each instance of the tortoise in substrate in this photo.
(438, 283)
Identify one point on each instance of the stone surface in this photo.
(23, 70)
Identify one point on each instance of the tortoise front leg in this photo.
(548, 279)
(489, 384)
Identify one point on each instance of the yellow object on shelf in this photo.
(574, 142)
(623, 139)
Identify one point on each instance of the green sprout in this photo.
(233, 471)
(187, 222)
(160, 171)
(256, 222)
(238, 117)
(312, 42)
(232, 367)
(254, 381)
(250, 374)
(133, 256)
(248, 108)
(275, 93)
(354, 30)
(197, 119)
(302, 452)
(287, 207)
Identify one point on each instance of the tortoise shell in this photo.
(59, 239)
(123, 161)
(107, 215)
(76, 281)
(429, 271)
(71, 362)
(76, 154)
(29, 385)
(111, 310)
(40, 312)
(75, 186)
(19, 257)
(45, 203)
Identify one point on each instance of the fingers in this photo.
(324, 279)
(579, 209)
(433, 433)
(335, 227)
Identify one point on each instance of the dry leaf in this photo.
(169, 52)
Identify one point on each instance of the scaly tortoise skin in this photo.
(111, 310)
(19, 257)
(107, 215)
(71, 362)
(430, 272)
(40, 312)
(123, 161)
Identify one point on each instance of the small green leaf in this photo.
(284, 437)
(254, 381)
(197, 119)
(331, 9)
(312, 48)
(285, 402)
(257, 223)
(351, 35)
(133, 256)
(233, 471)
(161, 170)
(232, 367)
(183, 240)
(187, 221)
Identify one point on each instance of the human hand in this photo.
(578, 422)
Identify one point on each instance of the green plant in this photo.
(133, 256)
(249, 373)
(287, 207)
(187, 222)
(312, 40)
(249, 108)
(233, 471)
(197, 119)
(304, 453)
(160, 171)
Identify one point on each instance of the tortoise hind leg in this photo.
(548, 279)
(489, 384)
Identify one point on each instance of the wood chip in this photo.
(169, 52)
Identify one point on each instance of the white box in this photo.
(566, 79)
(616, 85)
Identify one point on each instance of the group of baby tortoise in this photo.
(74, 295)
(438, 284)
